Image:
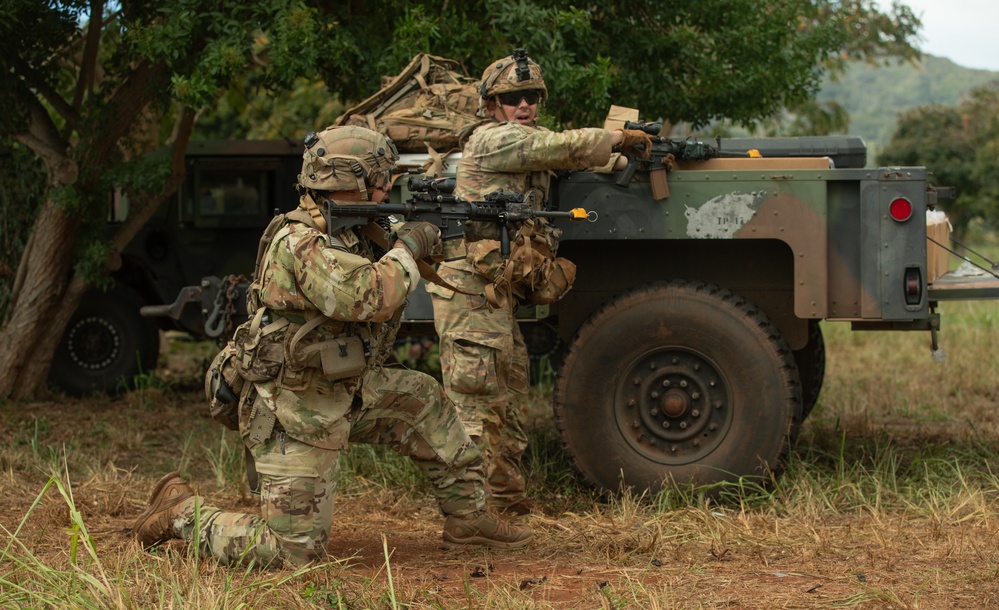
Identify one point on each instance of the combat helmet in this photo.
(515, 72)
(347, 158)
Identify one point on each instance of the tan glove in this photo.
(636, 143)
(422, 239)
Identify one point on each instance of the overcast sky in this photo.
(963, 31)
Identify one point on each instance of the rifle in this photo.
(664, 152)
(433, 201)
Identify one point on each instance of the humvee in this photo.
(209, 227)
(689, 348)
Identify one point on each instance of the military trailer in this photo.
(694, 345)
(690, 348)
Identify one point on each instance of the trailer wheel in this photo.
(811, 361)
(105, 345)
(679, 381)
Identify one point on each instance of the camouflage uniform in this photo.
(483, 355)
(298, 459)
(309, 368)
(298, 481)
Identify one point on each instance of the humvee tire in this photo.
(106, 344)
(678, 381)
(811, 361)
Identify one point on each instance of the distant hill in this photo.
(875, 95)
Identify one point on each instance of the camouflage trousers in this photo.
(485, 368)
(403, 409)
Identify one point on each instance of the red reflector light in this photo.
(900, 209)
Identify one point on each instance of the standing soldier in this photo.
(483, 355)
(324, 312)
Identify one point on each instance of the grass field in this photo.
(890, 500)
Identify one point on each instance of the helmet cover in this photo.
(515, 72)
(347, 158)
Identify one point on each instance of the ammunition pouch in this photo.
(223, 387)
(291, 354)
(258, 356)
(558, 278)
(343, 357)
(259, 421)
(534, 273)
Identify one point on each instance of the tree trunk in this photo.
(37, 319)
(50, 292)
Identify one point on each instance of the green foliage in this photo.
(959, 144)
(90, 103)
(740, 60)
(145, 173)
(981, 113)
(29, 33)
(243, 113)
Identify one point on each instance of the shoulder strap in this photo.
(275, 225)
(306, 328)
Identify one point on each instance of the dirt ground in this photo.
(419, 559)
(596, 556)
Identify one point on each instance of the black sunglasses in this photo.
(512, 98)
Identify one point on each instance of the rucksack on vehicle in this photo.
(426, 106)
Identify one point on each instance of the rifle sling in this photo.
(379, 236)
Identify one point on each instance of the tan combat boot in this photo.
(487, 529)
(152, 527)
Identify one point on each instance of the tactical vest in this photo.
(292, 346)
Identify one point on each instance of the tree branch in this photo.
(31, 78)
(43, 138)
(127, 102)
(88, 65)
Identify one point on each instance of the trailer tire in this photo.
(811, 362)
(678, 382)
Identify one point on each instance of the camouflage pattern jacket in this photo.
(508, 156)
(306, 275)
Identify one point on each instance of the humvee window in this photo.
(227, 194)
(223, 193)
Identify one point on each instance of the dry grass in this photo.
(890, 501)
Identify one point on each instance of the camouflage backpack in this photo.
(425, 108)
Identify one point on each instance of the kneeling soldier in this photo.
(324, 312)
